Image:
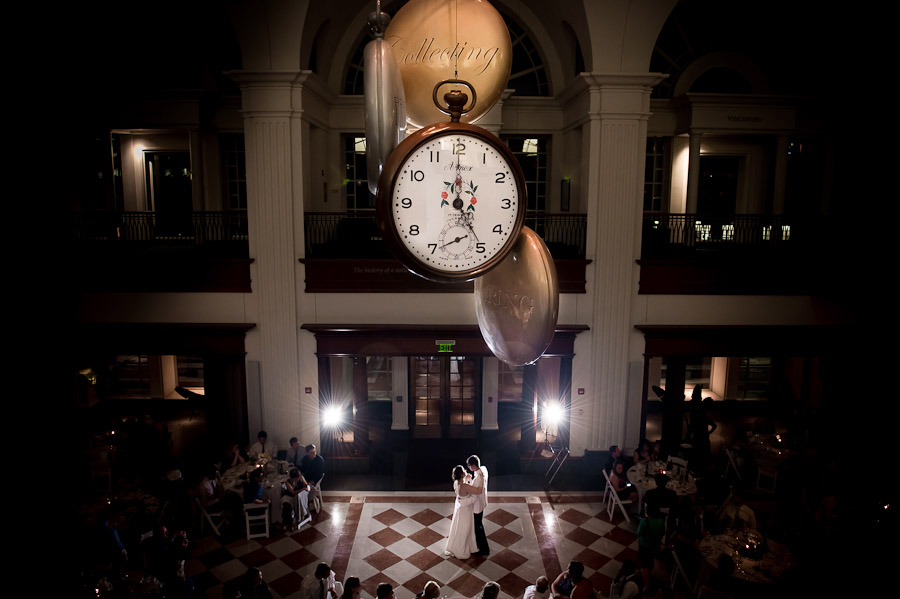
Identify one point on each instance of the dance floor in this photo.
(399, 538)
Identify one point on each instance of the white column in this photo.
(693, 185)
(490, 393)
(616, 133)
(272, 157)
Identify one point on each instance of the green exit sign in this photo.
(445, 345)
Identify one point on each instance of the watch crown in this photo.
(455, 100)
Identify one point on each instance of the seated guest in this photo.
(737, 515)
(210, 489)
(352, 588)
(491, 590)
(642, 453)
(660, 497)
(539, 590)
(620, 485)
(253, 586)
(295, 453)
(232, 457)
(322, 584)
(572, 583)
(312, 466)
(263, 445)
(253, 489)
(615, 453)
(432, 590)
(628, 582)
(295, 489)
(656, 454)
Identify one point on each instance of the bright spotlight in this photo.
(553, 413)
(333, 416)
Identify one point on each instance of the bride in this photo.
(461, 541)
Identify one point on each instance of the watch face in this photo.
(457, 204)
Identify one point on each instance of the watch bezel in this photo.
(391, 171)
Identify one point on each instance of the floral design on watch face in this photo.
(478, 208)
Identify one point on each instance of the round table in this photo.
(769, 568)
(641, 476)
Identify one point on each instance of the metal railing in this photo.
(187, 228)
(356, 234)
(665, 234)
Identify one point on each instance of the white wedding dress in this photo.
(461, 541)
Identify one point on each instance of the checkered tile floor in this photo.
(399, 538)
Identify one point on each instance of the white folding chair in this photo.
(257, 515)
(678, 569)
(215, 518)
(731, 464)
(316, 495)
(614, 501)
(608, 488)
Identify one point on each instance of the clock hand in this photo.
(458, 239)
(467, 223)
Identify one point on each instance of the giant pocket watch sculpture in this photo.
(451, 197)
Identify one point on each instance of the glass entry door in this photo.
(446, 392)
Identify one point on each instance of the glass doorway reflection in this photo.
(446, 391)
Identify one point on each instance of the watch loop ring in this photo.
(455, 108)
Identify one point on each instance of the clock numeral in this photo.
(434, 156)
(416, 175)
(407, 202)
(501, 178)
(497, 229)
(414, 230)
(459, 148)
(479, 247)
(433, 247)
(507, 203)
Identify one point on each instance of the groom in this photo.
(478, 489)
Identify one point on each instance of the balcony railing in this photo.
(355, 234)
(187, 229)
(668, 235)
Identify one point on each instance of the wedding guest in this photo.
(627, 583)
(294, 487)
(263, 445)
(651, 536)
(210, 490)
(642, 453)
(615, 452)
(295, 453)
(656, 454)
(321, 584)
(572, 583)
(384, 591)
(352, 588)
(312, 466)
(253, 586)
(539, 590)
(660, 497)
(620, 485)
(253, 489)
(232, 457)
(432, 590)
(491, 590)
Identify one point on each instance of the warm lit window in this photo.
(379, 378)
(510, 383)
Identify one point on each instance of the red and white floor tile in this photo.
(399, 538)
